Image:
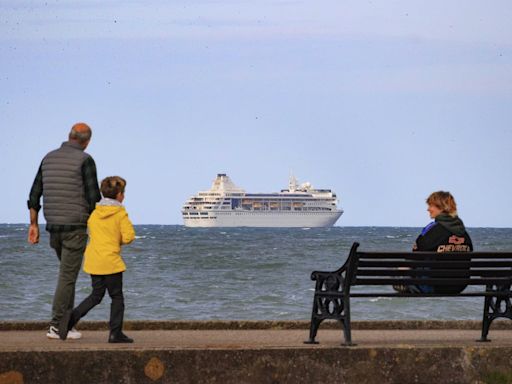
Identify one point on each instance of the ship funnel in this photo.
(223, 183)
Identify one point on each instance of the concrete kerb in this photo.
(261, 325)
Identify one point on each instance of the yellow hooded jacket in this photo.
(109, 228)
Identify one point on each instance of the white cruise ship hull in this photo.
(226, 205)
(265, 219)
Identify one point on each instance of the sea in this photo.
(179, 273)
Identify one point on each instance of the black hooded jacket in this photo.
(445, 234)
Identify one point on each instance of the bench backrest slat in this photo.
(426, 263)
(421, 255)
(428, 268)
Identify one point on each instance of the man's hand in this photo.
(33, 234)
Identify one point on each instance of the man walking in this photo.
(68, 182)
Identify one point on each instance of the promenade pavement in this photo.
(36, 340)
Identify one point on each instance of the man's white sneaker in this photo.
(53, 333)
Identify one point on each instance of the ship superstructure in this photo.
(226, 205)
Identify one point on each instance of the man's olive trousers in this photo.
(70, 247)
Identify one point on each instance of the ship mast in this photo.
(292, 183)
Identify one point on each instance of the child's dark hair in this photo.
(112, 185)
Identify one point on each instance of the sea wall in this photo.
(442, 361)
(340, 365)
(261, 324)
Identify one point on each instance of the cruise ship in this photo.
(226, 205)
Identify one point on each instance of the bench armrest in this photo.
(322, 275)
(319, 275)
(328, 282)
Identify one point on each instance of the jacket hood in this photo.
(452, 223)
(108, 207)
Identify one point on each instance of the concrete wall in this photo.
(272, 366)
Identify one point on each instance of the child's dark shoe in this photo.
(119, 337)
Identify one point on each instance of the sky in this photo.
(382, 101)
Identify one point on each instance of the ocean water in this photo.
(179, 273)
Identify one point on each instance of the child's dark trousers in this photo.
(101, 283)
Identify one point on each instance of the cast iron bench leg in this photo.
(486, 321)
(315, 323)
(347, 331)
(313, 329)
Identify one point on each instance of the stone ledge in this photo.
(261, 324)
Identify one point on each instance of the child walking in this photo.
(109, 228)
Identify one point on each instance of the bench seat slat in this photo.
(464, 294)
(436, 272)
(430, 281)
(397, 294)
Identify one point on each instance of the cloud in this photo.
(439, 79)
(463, 20)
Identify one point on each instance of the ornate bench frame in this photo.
(491, 270)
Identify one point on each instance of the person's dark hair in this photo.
(80, 132)
(112, 185)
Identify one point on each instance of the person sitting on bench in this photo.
(445, 234)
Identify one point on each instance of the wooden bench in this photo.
(490, 270)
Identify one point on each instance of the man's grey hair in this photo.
(81, 137)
